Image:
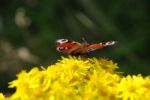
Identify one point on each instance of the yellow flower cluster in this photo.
(77, 78)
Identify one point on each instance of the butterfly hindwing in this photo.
(66, 46)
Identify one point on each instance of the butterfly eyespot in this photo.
(61, 49)
(64, 40)
(61, 41)
(110, 43)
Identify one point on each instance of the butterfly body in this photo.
(72, 47)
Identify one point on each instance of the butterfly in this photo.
(75, 48)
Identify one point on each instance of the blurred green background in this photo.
(29, 29)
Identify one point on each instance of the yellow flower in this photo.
(104, 64)
(76, 78)
(30, 85)
(2, 96)
(131, 88)
(101, 85)
(74, 69)
(146, 85)
(61, 91)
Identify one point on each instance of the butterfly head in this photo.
(61, 41)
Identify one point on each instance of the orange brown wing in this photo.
(68, 47)
(93, 47)
(71, 47)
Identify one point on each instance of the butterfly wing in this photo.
(72, 47)
(93, 47)
(67, 47)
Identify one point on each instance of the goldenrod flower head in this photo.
(76, 78)
(74, 69)
(133, 88)
(105, 64)
(2, 96)
(101, 85)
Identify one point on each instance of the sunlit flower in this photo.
(105, 64)
(146, 85)
(77, 78)
(2, 96)
(101, 86)
(74, 69)
(131, 88)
